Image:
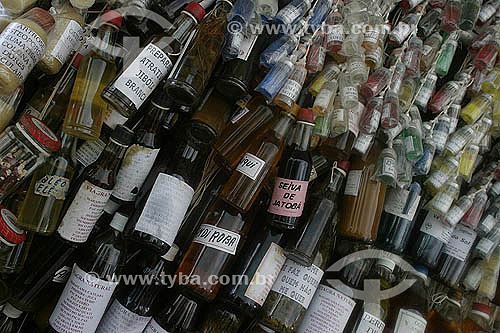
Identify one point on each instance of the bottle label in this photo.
(370, 324)
(20, 49)
(354, 117)
(139, 80)
(217, 238)
(488, 223)
(389, 167)
(329, 311)
(154, 327)
(113, 118)
(442, 202)
(401, 31)
(409, 321)
(297, 282)
(363, 143)
(62, 275)
(82, 303)
(350, 92)
(291, 89)
(89, 152)
(371, 36)
(323, 98)
(68, 42)
(439, 138)
(338, 115)
(460, 243)
(239, 114)
(352, 183)
(165, 208)
(484, 246)
(83, 212)
(136, 165)
(55, 186)
(438, 178)
(436, 228)
(427, 50)
(119, 319)
(250, 165)
(454, 214)
(266, 274)
(288, 197)
(395, 202)
(246, 47)
(290, 13)
(335, 33)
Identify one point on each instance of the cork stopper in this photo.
(41, 17)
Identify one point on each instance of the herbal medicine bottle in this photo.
(23, 42)
(17, 7)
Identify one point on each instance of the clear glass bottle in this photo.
(293, 11)
(289, 93)
(324, 100)
(476, 108)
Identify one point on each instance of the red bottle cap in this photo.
(344, 165)
(481, 308)
(41, 133)
(306, 115)
(77, 60)
(10, 233)
(112, 17)
(196, 10)
(41, 17)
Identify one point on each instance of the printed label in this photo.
(409, 321)
(335, 33)
(338, 115)
(246, 47)
(370, 324)
(454, 215)
(68, 42)
(323, 98)
(352, 183)
(363, 142)
(436, 228)
(297, 282)
(485, 245)
(89, 152)
(119, 319)
(401, 31)
(239, 114)
(288, 197)
(389, 167)
(291, 89)
(409, 144)
(395, 201)
(52, 186)
(139, 80)
(329, 311)
(82, 303)
(154, 327)
(164, 211)
(290, 13)
(20, 49)
(427, 50)
(488, 223)
(461, 242)
(442, 202)
(217, 238)
(266, 274)
(350, 92)
(136, 165)
(371, 36)
(250, 165)
(83, 212)
(438, 178)
(62, 275)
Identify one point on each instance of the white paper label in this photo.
(350, 92)
(352, 183)
(139, 80)
(363, 143)
(395, 201)
(250, 165)
(89, 152)
(217, 238)
(82, 303)
(460, 243)
(389, 167)
(409, 144)
(442, 202)
(323, 98)
(488, 223)
(246, 47)
(62, 275)
(335, 33)
(119, 319)
(136, 165)
(297, 282)
(266, 274)
(68, 42)
(164, 211)
(485, 245)
(83, 212)
(55, 186)
(436, 228)
(20, 49)
(370, 324)
(401, 31)
(154, 327)
(329, 311)
(290, 13)
(438, 178)
(409, 322)
(291, 89)
(338, 115)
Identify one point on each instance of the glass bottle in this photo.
(445, 59)
(8, 106)
(188, 81)
(363, 199)
(451, 16)
(459, 139)
(370, 119)
(403, 29)
(92, 190)
(430, 51)
(490, 272)
(335, 36)
(429, 22)
(469, 14)
(86, 107)
(331, 71)
(426, 91)
(22, 54)
(478, 318)
(293, 11)
(348, 91)
(275, 79)
(458, 210)
(49, 186)
(317, 54)
(442, 201)
(412, 56)
(290, 189)
(324, 100)
(476, 108)
(486, 245)
(390, 111)
(444, 97)
(376, 82)
(447, 316)
(413, 136)
(169, 189)
(289, 93)
(93, 277)
(277, 50)
(132, 87)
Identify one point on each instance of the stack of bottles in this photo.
(249, 166)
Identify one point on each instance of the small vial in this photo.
(324, 99)
(316, 55)
(386, 171)
(458, 140)
(390, 111)
(468, 161)
(412, 56)
(442, 201)
(290, 91)
(423, 165)
(348, 92)
(397, 78)
(335, 33)
(446, 57)
(275, 79)
(473, 215)
(339, 119)
(376, 82)
(453, 112)
(451, 16)
(441, 175)
(407, 91)
(425, 93)
(458, 210)
(443, 97)
(370, 119)
(357, 68)
(293, 11)
(476, 108)
(330, 72)
(441, 132)
(413, 137)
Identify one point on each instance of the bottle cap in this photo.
(77, 60)
(10, 233)
(306, 115)
(41, 17)
(171, 253)
(123, 135)
(41, 133)
(11, 311)
(119, 221)
(112, 17)
(482, 310)
(422, 270)
(344, 165)
(196, 10)
(387, 263)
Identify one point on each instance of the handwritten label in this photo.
(55, 186)
(436, 228)
(288, 197)
(250, 165)
(352, 183)
(461, 242)
(217, 238)
(409, 321)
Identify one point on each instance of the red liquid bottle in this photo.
(451, 15)
(487, 55)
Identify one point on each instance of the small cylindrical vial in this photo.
(290, 91)
(412, 55)
(423, 165)
(444, 61)
(468, 161)
(335, 33)
(292, 12)
(370, 119)
(397, 78)
(425, 92)
(376, 82)
(357, 69)
(469, 14)
(386, 170)
(486, 55)
(275, 79)
(407, 91)
(330, 72)
(458, 210)
(348, 92)
(390, 111)
(453, 112)
(441, 132)
(443, 97)
(324, 99)
(339, 119)
(441, 175)
(442, 201)
(473, 215)
(476, 108)
(451, 15)
(458, 140)
(317, 54)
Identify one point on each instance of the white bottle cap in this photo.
(11, 311)
(119, 221)
(171, 253)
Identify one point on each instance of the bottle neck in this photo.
(106, 37)
(183, 313)
(282, 126)
(67, 142)
(182, 28)
(150, 126)
(336, 182)
(112, 155)
(302, 136)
